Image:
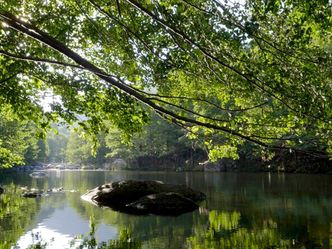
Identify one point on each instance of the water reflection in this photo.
(15, 215)
(241, 211)
(61, 225)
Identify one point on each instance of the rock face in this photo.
(144, 197)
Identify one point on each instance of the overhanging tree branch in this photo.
(34, 59)
(8, 78)
(45, 38)
(248, 77)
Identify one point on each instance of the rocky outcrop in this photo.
(32, 194)
(144, 197)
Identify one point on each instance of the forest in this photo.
(25, 144)
(230, 78)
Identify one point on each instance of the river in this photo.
(242, 210)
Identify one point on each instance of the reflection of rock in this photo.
(1, 190)
(120, 195)
(38, 174)
(162, 204)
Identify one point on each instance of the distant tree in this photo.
(157, 138)
(83, 150)
(78, 150)
(43, 150)
(57, 143)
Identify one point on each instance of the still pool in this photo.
(242, 210)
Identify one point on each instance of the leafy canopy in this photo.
(226, 72)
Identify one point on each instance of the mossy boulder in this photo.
(128, 196)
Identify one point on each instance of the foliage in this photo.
(56, 142)
(84, 149)
(228, 72)
(156, 139)
(19, 140)
(16, 214)
(78, 149)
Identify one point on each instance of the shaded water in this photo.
(242, 210)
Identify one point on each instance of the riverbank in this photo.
(287, 162)
(197, 160)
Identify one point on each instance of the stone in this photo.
(31, 194)
(56, 190)
(118, 195)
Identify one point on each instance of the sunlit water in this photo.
(241, 211)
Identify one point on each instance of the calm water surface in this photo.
(241, 211)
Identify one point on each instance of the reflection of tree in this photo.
(225, 230)
(154, 231)
(301, 211)
(16, 213)
(125, 241)
(224, 220)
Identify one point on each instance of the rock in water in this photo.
(31, 194)
(38, 174)
(125, 196)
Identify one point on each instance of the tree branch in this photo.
(8, 78)
(34, 59)
(40, 36)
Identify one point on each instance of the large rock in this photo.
(31, 194)
(123, 195)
